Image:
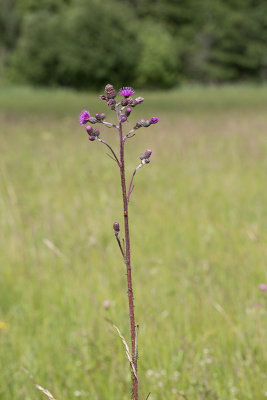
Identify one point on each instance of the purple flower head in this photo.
(84, 117)
(126, 91)
(154, 120)
(263, 287)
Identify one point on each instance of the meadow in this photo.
(198, 220)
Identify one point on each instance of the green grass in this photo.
(199, 228)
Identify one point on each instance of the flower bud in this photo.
(146, 123)
(130, 101)
(140, 123)
(89, 129)
(92, 138)
(128, 111)
(93, 120)
(102, 97)
(147, 153)
(96, 132)
(123, 118)
(147, 161)
(98, 117)
(102, 116)
(116, 227)
(139, 100)
(142, 156)
(154, 120)
(109, 89)
(111, 102)
(124, 102)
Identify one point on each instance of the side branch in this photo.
(110, 148)
(120, 246)
(109, 124)
(129, 134)
(131, 183)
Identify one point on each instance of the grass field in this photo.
(198, 219)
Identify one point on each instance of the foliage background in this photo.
(156, 43)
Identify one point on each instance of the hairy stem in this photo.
(128, 262)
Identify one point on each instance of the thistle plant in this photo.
(123, 109)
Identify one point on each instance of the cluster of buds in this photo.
(109, 95)
(85, 118)
(122, 107)
(126, 114)
(93, 133)
(145, 157)
(146, 123)
(126, 92)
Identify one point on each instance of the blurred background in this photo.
(198, 213)
(149, 43)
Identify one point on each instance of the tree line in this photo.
(149, 43)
